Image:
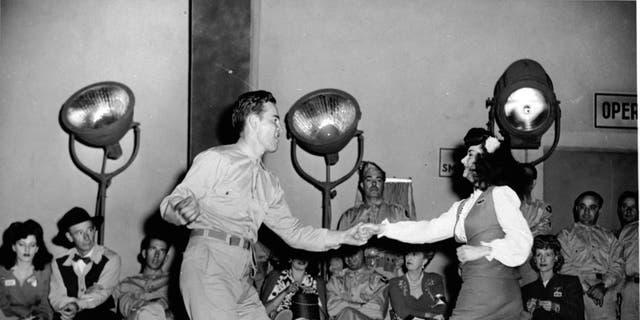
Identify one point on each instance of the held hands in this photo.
(187, 208)
(69, 311)
(354, 237)
(470, 253)
(545, 304)
(367, 230)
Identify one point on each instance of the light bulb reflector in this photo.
(526, 109)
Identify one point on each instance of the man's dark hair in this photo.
(425, 249)
(589, 193)
(547, 241)
(627, 194)
(249, 103)
(147, 240)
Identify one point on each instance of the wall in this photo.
(49, 50)
(422, 70)
(219, 70)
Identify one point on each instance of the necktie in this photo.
(77, 257)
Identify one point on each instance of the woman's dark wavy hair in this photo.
(498, 168)
(18, 231)
(547, 241)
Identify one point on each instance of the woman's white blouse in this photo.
(512, 250)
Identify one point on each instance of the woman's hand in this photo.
(545, 304)
(549, 306)
(596, 293)
(531, 305)
(470, 253)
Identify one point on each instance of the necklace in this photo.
(415, 286)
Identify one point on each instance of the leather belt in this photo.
(228, 238)
(635, 279)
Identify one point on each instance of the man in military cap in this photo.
(375, 209)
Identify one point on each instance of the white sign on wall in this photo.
(446, 163)
(616, 110)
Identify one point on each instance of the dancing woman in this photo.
(489, 224)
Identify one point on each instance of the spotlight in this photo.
(99, 115)
(323, 121)
(524, 105)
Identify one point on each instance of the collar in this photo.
(242, 146)
(362, 270)
(584, 226)
(95, 254)
(551, 280)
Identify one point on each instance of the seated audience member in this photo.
(335, 265)
(628, 215)
(552, 295)
(146, 295)
(24, 278)
(594, 255)
(356, 292)
(379, 253)
(538, 216)
(417, 294)
(282, 290)
(83, 279)
(374, 208)
(627, 209)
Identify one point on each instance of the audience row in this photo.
(585, 272)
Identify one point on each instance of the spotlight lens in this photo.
(328, 133)
(323, 121)
(99, 114)
(526, 109)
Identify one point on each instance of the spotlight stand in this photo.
(104, 179)
(327, 187)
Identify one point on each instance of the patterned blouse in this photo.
(308, 285)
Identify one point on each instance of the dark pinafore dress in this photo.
(490, 290)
